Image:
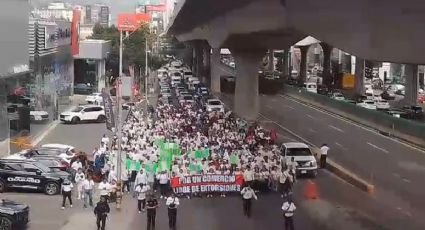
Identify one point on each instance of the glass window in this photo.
(298, 152)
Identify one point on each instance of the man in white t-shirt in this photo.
(323, 155)
(104, 188)
(141, 190)
(288, 209)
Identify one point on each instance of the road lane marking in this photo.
(396, 175)
(289, 107)
(377, 147)
(341, 146)
(269, 106)
(336, 128)
(308, 115)
(312, 130)
(406, 180)
(346, 120)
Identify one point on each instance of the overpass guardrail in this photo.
(406, 130)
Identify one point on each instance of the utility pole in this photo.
(118, 127)
(146, 78)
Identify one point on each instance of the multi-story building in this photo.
(55, 10)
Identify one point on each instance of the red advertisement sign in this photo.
(155, 8)
(132, 22)
(75, 32)
(207, 183)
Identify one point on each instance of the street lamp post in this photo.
(119, 126)
(146, 77)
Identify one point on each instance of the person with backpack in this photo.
(172, 204)
(101, 211)
(141, 190)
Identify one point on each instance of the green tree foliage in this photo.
(134, 46)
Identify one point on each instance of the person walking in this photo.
(88, 186)
(248, 176)
(163, 184)
(66, 192)
(104, 188)
(101, 211)
(172, 204)
(288, 209)
(141, 190)
(247, 195)
(285, 182)
(323, 155)
(79, 180)
(151, 206)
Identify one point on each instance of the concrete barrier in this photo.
(345, 174)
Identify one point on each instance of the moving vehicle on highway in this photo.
(214, 105)
(13, 215)
(311, 87)
(307, 164)
(84, 113)
(30, 174)
(367, 104)
(338, 96)
(186, 99)
(382, 104)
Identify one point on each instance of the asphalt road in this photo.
(396, 170)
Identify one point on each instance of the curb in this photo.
(345, 174)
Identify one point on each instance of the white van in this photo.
(192, 79)
(175, 80)
(306, 162)
(311, 87)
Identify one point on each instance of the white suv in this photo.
(215, 105)
(301, 153)
(84, 113)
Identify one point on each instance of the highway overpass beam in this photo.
(359, 73)
(327, 52)
(206, 67)
(247, 62)
(412, 82)
(303, 64)
(215, 72)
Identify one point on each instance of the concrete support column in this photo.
(246, 102)
(206, 65)
(194, 62)
(412, 82)
(286, 55)
(359, 73)
(215, 73)
(271, 61)
(101, 82)
(327, 52)
(303, 64)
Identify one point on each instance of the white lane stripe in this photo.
(308, 115)
(355, 124)
(289, 107)
(312, 130)
(406, 180)
(396, 175)
(336, 128)
(377, 147)
(341, 146)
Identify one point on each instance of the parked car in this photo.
(302, 154)
(13, 215)
(414, 112)
(39, 116)
(311, 87)
(94, 98)
(322, 89)
(186, 99)
(84, 113)
(338, 96)
(30, 174)
(367, 104)
(388, 95)
(82, 89)
(398, 113)
(42, 151)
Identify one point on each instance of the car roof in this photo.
(17, 160)
(57, 146)
(295, 145)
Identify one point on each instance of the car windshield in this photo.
(77, 109)
(370, 102)
(187, 97)
(298, 152)
(214, 102)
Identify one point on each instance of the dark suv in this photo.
(30, 174)
(13, 215)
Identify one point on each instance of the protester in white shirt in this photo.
(248, 176)
(288, 209)
(141, 190)
(79, 179)
(76, 165)
(323, 155)
(88, 187)
(163, 184)
(66, 192)
(247, 195)
(285, 182)
(105, 140)
(104, 188)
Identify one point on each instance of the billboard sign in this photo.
(132, 22)
(57, 34)
(109, 111)
(155, 8)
